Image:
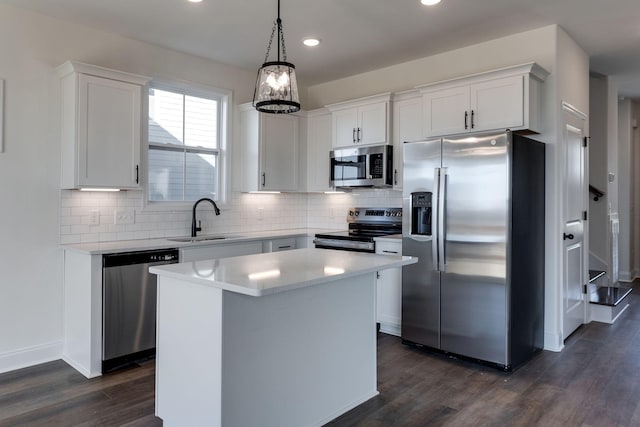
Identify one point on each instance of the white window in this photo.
(186, 136)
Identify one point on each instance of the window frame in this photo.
(225, 98)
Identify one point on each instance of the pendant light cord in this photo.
(277, 26)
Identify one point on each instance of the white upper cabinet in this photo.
(266, 151)
(318, 149)
(501, 99)
(446, 111)
(407, 126)
(101, 127)
(363, 121)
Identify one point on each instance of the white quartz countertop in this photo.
(119, 246)
(270, 273)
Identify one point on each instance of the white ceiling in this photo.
(360, 35)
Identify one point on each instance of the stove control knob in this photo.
(350, 213)
(357, 213)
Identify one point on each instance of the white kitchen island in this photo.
(274, 339)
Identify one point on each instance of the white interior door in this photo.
(574, 252)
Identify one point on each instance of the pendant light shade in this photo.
(276, 88)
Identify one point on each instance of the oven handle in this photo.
(344, 244)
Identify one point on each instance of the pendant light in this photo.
(276, 88)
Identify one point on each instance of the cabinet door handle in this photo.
(395, 176)
(566, 236)
(390, 252)
(473, 113)
(466, 115)
(358, 134)
(264, 178)
(284, 247)
(353, 135)
(137, 174)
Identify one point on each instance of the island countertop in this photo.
(270, 273)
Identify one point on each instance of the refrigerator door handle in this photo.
(442, 201)
(435, 201)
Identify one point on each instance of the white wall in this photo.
(536, 45)
(627, 187)
(598, 168)
(624, 188)
(635, 190)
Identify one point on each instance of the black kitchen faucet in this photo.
(194, 229)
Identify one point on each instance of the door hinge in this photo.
(584, 215)
(585, 141)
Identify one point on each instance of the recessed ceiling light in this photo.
(429, 2)
(311, 42)
(195, 1)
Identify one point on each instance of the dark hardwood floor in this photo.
(595, 381)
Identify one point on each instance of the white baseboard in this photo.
(625, 276)
(553, 342)
(390, 328)
(30, 356)
(80, 368)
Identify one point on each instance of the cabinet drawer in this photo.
(278, 245)
(389, 248)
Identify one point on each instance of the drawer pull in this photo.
(390, 252)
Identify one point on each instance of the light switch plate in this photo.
(94, 218)
(125, 216)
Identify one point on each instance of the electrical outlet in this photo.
(260, 213)
(94, 218)
(124, 216)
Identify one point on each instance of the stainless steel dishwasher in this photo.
(129, 305)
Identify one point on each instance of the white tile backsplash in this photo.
(244, 213)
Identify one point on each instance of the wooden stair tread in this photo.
(609, 295)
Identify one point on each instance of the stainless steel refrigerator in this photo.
(474, 216)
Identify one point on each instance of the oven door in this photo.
(324, 242)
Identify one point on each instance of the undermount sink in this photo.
(199, 238)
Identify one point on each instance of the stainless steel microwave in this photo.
(362, 166)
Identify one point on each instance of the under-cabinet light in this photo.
(264, 192)
(99, 189)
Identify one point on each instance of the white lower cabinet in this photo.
(219, 251)
(277, 245)
(389, 290)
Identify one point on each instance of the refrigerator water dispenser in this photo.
(421, 213)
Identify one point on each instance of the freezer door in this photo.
(421, 281)
(476, 222)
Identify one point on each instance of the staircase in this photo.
(606, 302)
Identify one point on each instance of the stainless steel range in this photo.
(364, 225)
